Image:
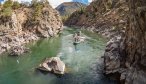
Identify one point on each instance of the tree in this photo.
(34, 3)
(7, 4)
(6, 12)
(16, 5)
(7, 8)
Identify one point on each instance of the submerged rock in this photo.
(53, 64)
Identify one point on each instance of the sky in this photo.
(54, 3)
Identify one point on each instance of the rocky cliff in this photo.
(67, 8)
(106, 17)
(123, 21)
(125, 58)
(26, 24)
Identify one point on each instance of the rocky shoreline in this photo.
(8, 42)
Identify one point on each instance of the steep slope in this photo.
(106, 17)
(26, 24)
(67, 8)
(126, 59)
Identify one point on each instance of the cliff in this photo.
(125, 58)
(25, 24)
(106, 17)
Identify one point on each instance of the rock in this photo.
(112, 60)
(53, 64)
(18, 50)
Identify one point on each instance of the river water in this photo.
(83, 61)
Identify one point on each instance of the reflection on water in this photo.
(84, 65)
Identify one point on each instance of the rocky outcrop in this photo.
(53, 64)
(125, 59)
(18, 50)
(21, 27)
(67, 8)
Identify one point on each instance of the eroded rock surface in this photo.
(125, 59)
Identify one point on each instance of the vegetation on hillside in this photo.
(9, 6)
(16, 5)
(7, 9)
(38, 6)
(77, 13)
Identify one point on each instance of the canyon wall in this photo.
(123, 22)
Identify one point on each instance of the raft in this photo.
(82, 39)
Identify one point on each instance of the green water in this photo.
(83, 62)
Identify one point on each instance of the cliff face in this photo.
(107, 17)
(20, 27)
(48, 24)
(67, 8)
(125, 59)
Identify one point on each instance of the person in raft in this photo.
(77, 36)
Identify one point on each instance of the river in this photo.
(84, 63)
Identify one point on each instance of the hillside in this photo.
(67, 8)
(105, 17)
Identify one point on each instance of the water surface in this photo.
(83, 61)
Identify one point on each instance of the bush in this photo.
(82, 10)
(7, 4)
(16, 5)
(6, 12)
(38, 10)
(64, 18)
(7, 8)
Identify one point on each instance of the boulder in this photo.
(53, 64)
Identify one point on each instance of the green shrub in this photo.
(64, 18)
(7, 4)
(16, 5)
(6, 12)
(82, 10)
(7, 8)
(38, 10)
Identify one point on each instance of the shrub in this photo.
(6, 12)
(38, 10)
(64, 18)
(7, 8)
(7, 4)
(16, 5)
(82, 10)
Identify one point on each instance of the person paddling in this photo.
(77, 37)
